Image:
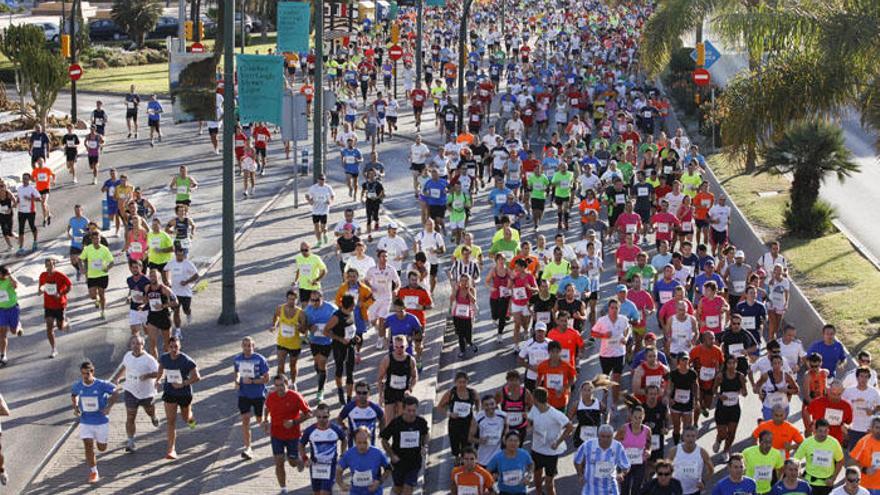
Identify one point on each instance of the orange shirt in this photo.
(702, 202)
(479, 478)
(557, 380)
(412, 297)
(465, 137)
(42, 176)
(702, 357)
(863, 453)
(782, 434)
(571, 342)
(532, 260)
(588, 205)
(817, 383)
(308, 90)
(449, 70)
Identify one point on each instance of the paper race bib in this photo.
(155, 304)
(350, 331)
(500, 199)
(604, 470)
(823, 458)
(321, 471)
(628, 264)
(97, 265)
(565, 355)
(173, 376)
(630, 228)
(635, 455)
(665, 296)
(555, 381)
(89, 404)
(748, 322)
(655, 442)
(739, 286)
(50, 289)
(663, 228)
(834, 416)
(655, 380)
(434, 193)
(713, 321)
(155, 242)
(362, 479)
(682, 396)
(411, 302)
(514, 418)
(619, 198)
(461, 409)
(642, 192)
(462, 310)
(503, 291)
(736, 350)
(519, 293)
(409, 439)
(707, 373)
(589, 432)
(763, 473)
(287, 331)
(687, 470)
(511, 478)
(246, 369)
(42, 177)
(397, 382)
(776, 399)
(729, 399)
(135, 248)
(543, 316)
(468, 490)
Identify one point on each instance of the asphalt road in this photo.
(36, 387)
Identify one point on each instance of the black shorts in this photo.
(160, 320)
(537, 204)
(153, 123)
(549, 463)
(185, 303)
(213, 130)
(304, 295)
(180, 400)
(43, 192)
(290, 352)
(246, 405)
(75, 251)
(645, 215)
(417, 167)
(261, 152)
(437, 211)
(156, 266)
(71, 154)
(726, 415)
(131, 114)
(372, 208)
(6, 224)
(99, 282)
(321, 349)
(55, 314)
(132, 402)
(319, 219)
(93, 159)
(29, 219)
(561, 201)
(391, 118)
(402, 476)
(701, 224)
(719, 238)
(434, 269)
(611, 364)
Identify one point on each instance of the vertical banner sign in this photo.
(260, 87)
(293, 27)
(435, 3)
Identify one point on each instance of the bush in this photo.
(815, 222)
(99, 63)
(115, 56)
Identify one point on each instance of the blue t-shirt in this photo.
(254, 367)
(372, 461)
(408, 326)
(832, 354)
(319, 316)
(369, 417)
(351, 160)
(323, 443)
(153, 110)
(78, 228)
(581, 284)
(639, 358)
(92, 400)
(701, 279)
(177, 369)
(596, 460)
(501, 464)
(435, 192)
(111, 184)
(498, 197)
(726, 486)
(661, 285)
(630, 311)
(803, 488)
(137, 287)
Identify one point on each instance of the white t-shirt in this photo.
(841, 491)
(722, 215)
(321, 196)
(613, 345)
(590, 181)
(674, 201)
(396, 247)
(181, 270)
(361, 265)
(546, 428)
(381, 281)
(420, 153)
(863, 403)
(535, 353)
(429, 242)
(793, 352)
(28, 197)
(850, 379)
(136, 367)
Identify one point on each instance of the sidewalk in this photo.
(210, 461)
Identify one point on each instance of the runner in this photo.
(28, 197)
(54, 286)
(369, 466)
(92, 401)
(512, 466)
(288, 411)
(94, 142)
(340, 328)
(323, 440)
(250, 376)
(318, 314)
(140, 370)
(361, 412)
(763, 463)
(405, 440)
(730, 385)
(471, 478)
(459, 403)
(180, 373)
(44, 178)
(550, 429)
(290, 323)
(320, 196)
(99, 260)
(157, 299)
(692, 466)
(183, 277)
(154, 115)
(823, 457)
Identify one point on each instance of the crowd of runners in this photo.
(564, 142)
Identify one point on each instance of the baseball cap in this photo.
(541, 326)
(621, 288)
(392, 225)
(739, 254)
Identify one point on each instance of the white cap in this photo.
(541, 326)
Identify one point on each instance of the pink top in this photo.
(137, 247)
(710, 315)
(633, 441)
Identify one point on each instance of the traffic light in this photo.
(65, 45)
(395, 33)
(188, 30)
(201, 30)
(701, 54)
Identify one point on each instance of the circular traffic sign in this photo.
(395, 52)
(197, 48)
(701, 77)
(75, 72)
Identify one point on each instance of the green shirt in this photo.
(97, 260)
(691, 183)
(626, 168)
(820, 456)
(309, 267)
(157, 241)
(458, 202)
(562, 183)
(538, 183)
(556, 272)
(8, 297)
(760, 467)
(508, 247)
(182, 188)
(647, 273)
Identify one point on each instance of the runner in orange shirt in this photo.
(470, 478)
(569, 338)
(556, 375)
(865, 452)
(786, 436)
(525, 253)
(43, 178)
(702, 202)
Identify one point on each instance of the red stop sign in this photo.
(197, 48)
(75, 72)
(701, 77)
(395, 52)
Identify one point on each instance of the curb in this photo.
(859, 247)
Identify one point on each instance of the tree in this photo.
(15, 40)
(810, 151)
(45, 73)
(136, 17)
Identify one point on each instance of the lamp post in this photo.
(318, 100)
(462, 39)
(73, 56)
(420, 26)
(228, 315)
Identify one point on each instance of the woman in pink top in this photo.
(636, 440)
(136, 243)
(522, 285)
(685, 215)
(462, 308)
(712, 309)
(498, 282)
(626, 256)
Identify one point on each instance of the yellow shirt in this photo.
(288, 329)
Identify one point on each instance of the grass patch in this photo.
(150, 78)
(840, 283)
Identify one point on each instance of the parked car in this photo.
(50, 31)
(166, 26)
(105, 30)
(211, 25)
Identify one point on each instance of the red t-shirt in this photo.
(570, 341)
(261, 137)
(665, 224)
(418, 97)
(626, 255)
(644, 301)
(290, 406)
(836, 413)
(418, 296)
(668, 309)
(62, 287)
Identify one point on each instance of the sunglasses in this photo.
(664, 473)
(362, 392)
(852, 480)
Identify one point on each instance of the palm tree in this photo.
(821, 59)
(810, 151)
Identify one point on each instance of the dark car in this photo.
(105, 30)
(166, 26)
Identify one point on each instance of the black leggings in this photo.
(633, 481)
(499, 311)
(464, 328)
(343, 356)
(30, 219)
(458, 434)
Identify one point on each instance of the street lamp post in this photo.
(318, 100)
(462, 40)
(420, 12)
(228, 315)
(73, 56)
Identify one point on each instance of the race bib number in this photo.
(514, 418)
(736, 350)
(50, 289)
(665, 296)
(543, 316)
(4, 210)
(642, 192)
(565, 355)
(589, 432)
(398, 382)
(461, 409)
(631, 228)
(511, 478)
(777, 399)
(555, 381)
(97, 265)
(763, 473)
(362, 479)
(667, 169)
(434, 193)
(655, 442)
(739, 286)
(619, 199)
(655, 380)
(321, 471)
(462, 310)
(350, 331)
(468, 490)
(635, 455)
(155, 304)
(834, 416)
(748, 322)
(875, 459)
(604, 470)
(628, 264)
(686, 470)
(500, 199)
(173, 376)
(707, 373)
(409, 439)
(729, 399)
(287, 331)
(136, 296)
(823, 458)
(713, 321)
(155, 243)
(503, 292)
(411, 302)
(458, 204)
(687, 226)
(246, 369)
(42, 177)
(682, 396)
(519, 293)
(89, 404)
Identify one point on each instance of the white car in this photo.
(50, 31)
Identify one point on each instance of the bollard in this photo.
(105, 214)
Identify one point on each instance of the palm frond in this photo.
(768, 30)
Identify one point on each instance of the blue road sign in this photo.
(712, 54)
